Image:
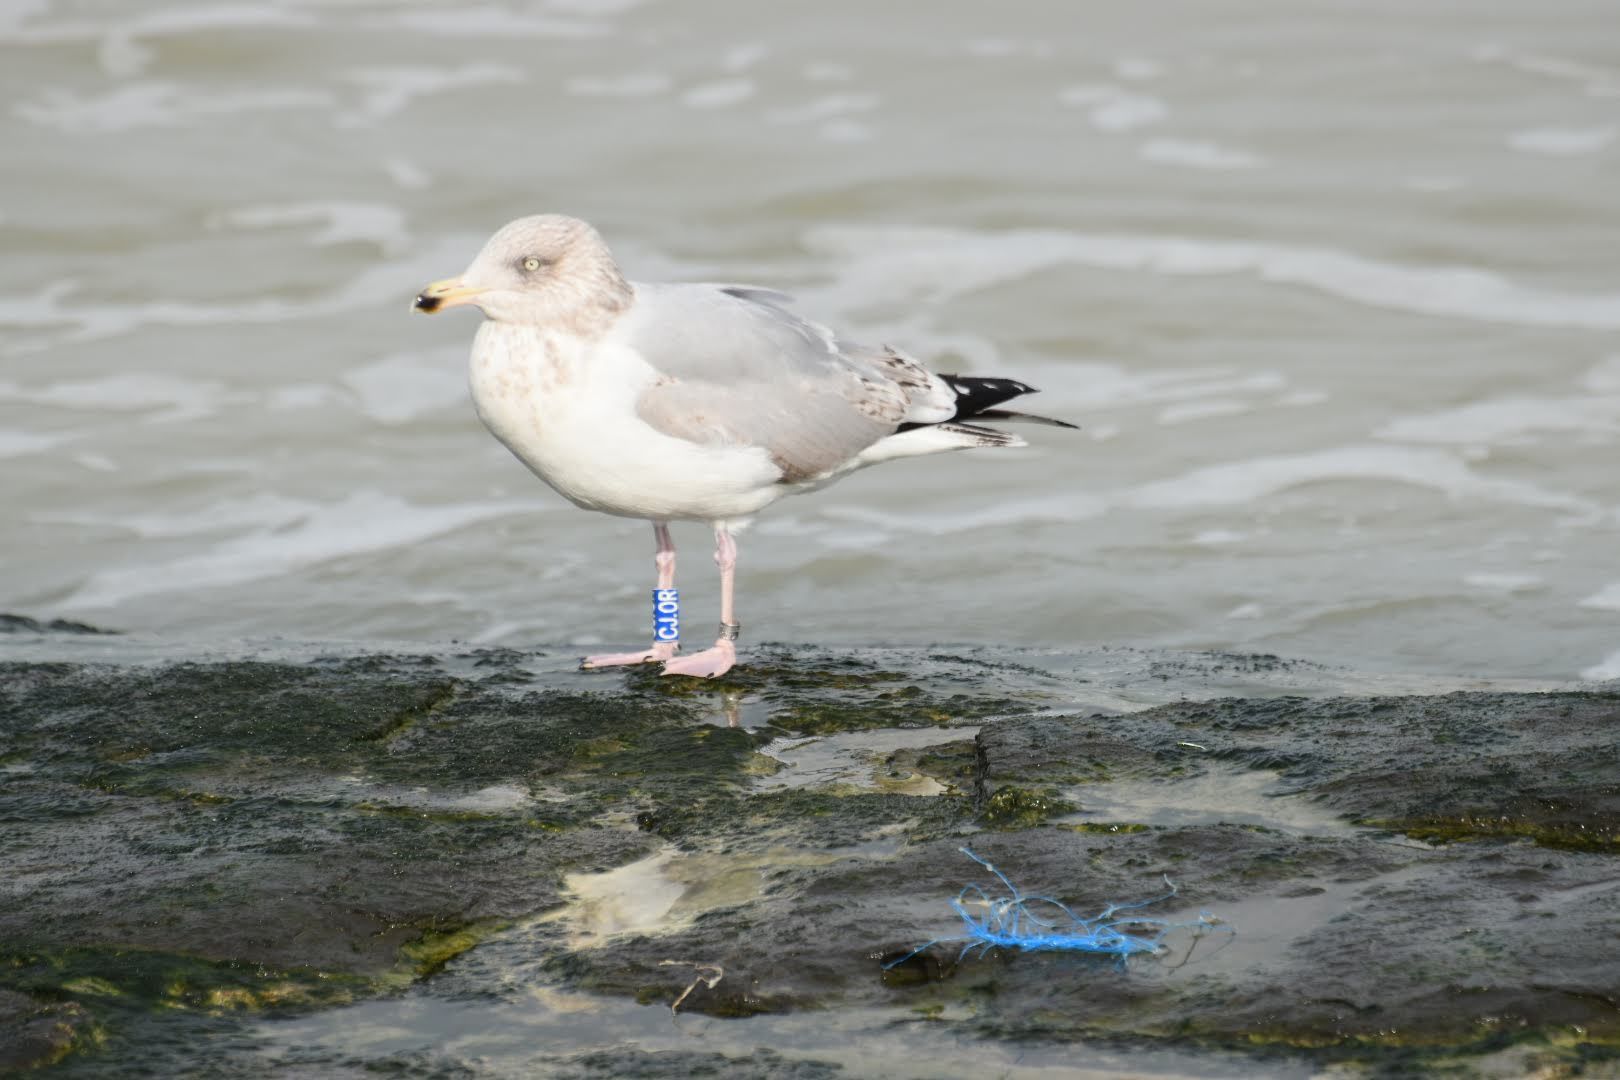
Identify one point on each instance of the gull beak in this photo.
(445, 294)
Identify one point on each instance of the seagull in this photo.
(688, 402)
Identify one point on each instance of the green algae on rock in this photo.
(1011, 807)
(36, 1032)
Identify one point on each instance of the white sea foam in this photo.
(15, 443)
(291, 397)
(594, 8)
(407, 174)
(388, 90)
(718, 94)
(1605, 670)
(168, 398)
(399, 388)
(495, 22)
(259, 510)
(903, 263)
(1202, 410)
(744, 56)
(1093, 387)
(88, 322)
(379, 283)
(823, 108)
(1211, 537)
(1606, 598)
(157, 104)
(1113, 108)
(997, 48)
(1504, 420)
(119, 47)
(1137, 68)
(1232, 483)
(1597, 80)
(1499, 582)
(338, 222)
(1562, 141)
(19, 24)
(363, 523)
(1235, 483)
(636, 84)
(847, 539)
(1604, 376)
(1070, 507)
(826, 71)
(1198, 154)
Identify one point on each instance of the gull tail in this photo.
(977, 398)
(976, 401)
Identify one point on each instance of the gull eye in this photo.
(531, 264)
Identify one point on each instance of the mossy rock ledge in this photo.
(483, 862)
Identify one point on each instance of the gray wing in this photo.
(738, 368)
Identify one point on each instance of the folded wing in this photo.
(736, 367)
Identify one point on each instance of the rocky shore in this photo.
(482, 862)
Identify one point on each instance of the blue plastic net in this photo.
(1042, 924)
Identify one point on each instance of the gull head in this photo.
(544, 270)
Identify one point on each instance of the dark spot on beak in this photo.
(426, 303)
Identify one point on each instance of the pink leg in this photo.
(661, 650)
(714, 662)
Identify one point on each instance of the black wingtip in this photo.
(976, 394)
(1024, 417)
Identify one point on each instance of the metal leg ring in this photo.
(729, 631)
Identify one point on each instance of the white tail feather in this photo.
(935, 439)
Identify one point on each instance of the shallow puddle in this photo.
(857, 759)
(657, 894)
(521, 1037)
(1263, 930)
(667, 890)
(1220, 796)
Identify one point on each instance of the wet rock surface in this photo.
(483, 862)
